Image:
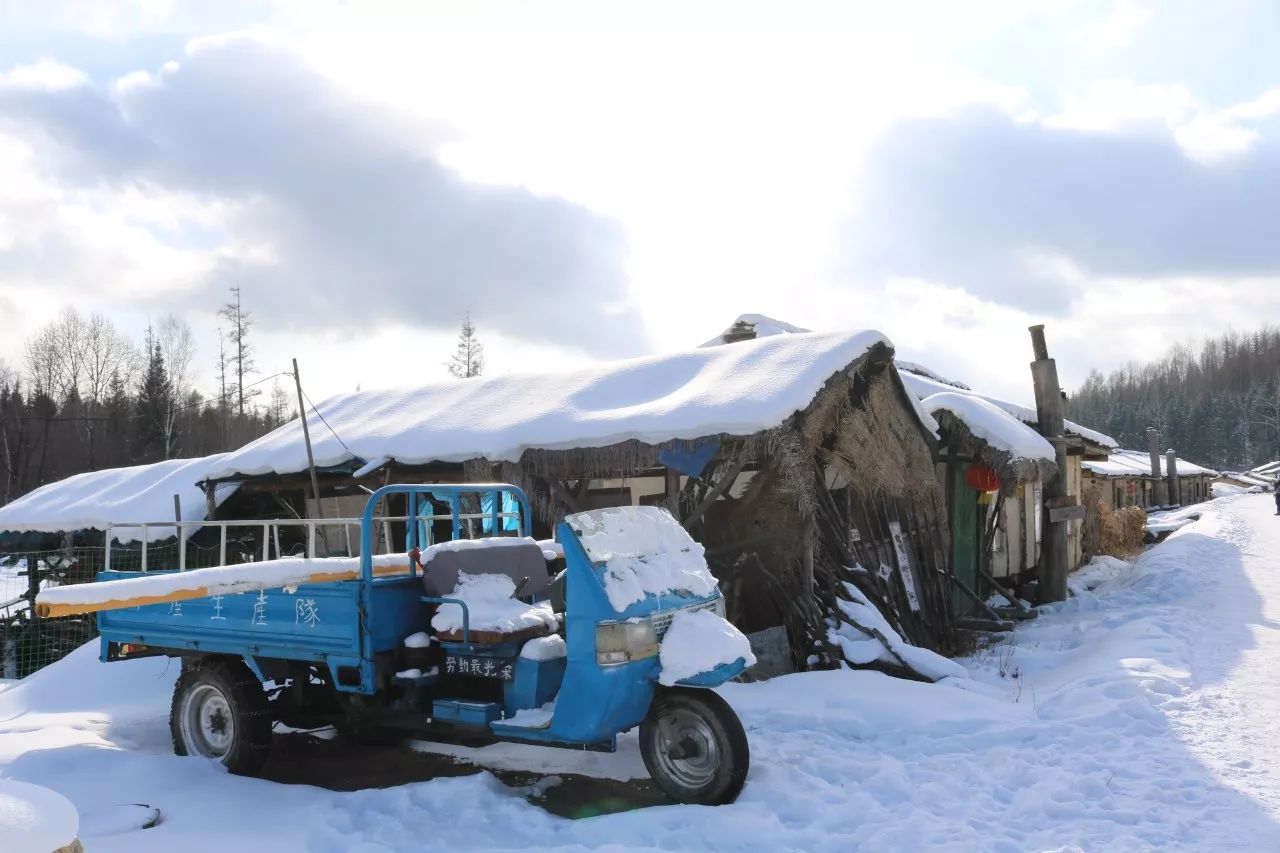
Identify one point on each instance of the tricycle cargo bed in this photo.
(314, 622)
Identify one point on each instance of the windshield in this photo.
(642, 551)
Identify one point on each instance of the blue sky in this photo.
(597, 180)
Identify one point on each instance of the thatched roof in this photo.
(628, 406)
(1013, 469)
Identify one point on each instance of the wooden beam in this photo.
(1049, 411)
(560, 493)
(716, 490)
(47, 609)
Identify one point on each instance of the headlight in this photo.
(620, 642)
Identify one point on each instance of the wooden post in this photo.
(1175, 487)
(1159, 495)
(177, 532)
(673, 492)
(306, 437)
(1049, 411)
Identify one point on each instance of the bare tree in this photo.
(468, 355)
(239, 322)
(177, 347)
(278, 410)
(55, 357)
(106, 354)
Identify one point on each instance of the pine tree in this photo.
(468, 355)
(118, 410)
(155, 401)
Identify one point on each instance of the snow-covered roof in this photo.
(1246, 478)
(1269, 470)
(749, 326)
(94, 499)
(923, 387)
(738, 389)
(921, 370)
(993, 425)
(1136, 463)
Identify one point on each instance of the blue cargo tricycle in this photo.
(571, 658)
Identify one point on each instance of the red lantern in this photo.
(982, 478)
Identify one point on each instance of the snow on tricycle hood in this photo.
(699, 641)
(739, 389)
(642, 551)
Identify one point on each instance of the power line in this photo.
(326, 423)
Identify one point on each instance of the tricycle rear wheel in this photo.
(220, 712)
(694, 747)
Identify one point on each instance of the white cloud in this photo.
(45, 74)
(1116, 106)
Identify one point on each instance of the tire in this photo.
(220, 712)
(694, 747)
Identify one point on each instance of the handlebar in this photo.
(414, 490)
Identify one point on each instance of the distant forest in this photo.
(1217, 404)
(86, 397)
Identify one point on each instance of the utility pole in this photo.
(306, 437)
(1159, 494)
(1049, 411)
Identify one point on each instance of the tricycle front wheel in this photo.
(694, 747)
(220, 712)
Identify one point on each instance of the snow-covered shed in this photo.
(993, 467)
(790, 457)
(132, 495)
(1236, 482)
(1017, 531)
(62, 524)
(1125, 478)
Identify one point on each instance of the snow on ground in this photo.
(1159, 522)
(1141, 714)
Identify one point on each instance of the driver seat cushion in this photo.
(515, 561)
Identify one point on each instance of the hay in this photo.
(1122, 531)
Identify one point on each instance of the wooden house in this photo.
(1235, 482)
(993, 468)
(1016, 536)
(1125, 478)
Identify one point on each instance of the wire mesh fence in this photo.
(27, 642)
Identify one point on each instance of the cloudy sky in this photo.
(597, 180)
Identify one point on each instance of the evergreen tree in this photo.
(468, 355)
(151, 410)
(1218, 403)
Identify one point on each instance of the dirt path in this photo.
(304, 759)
